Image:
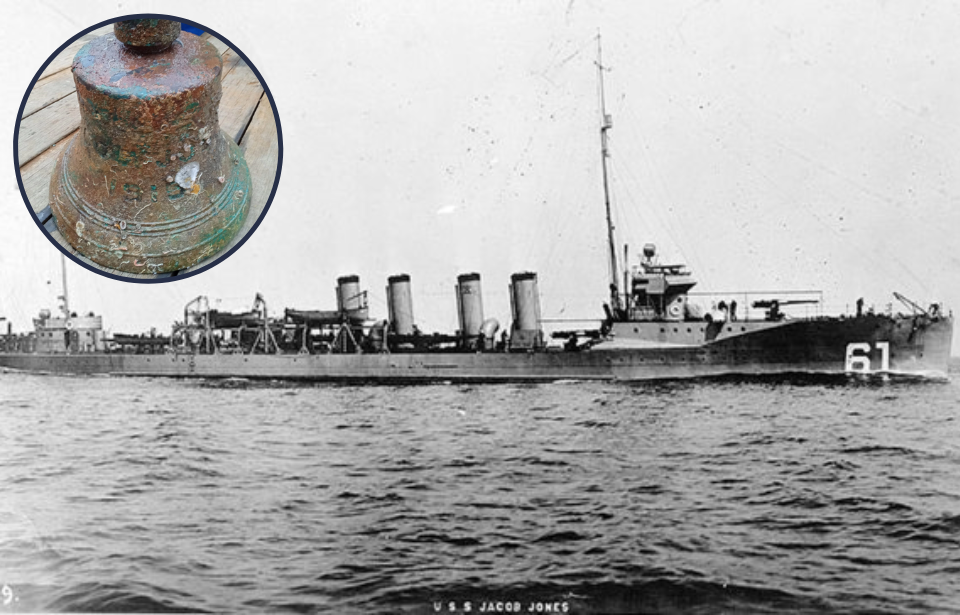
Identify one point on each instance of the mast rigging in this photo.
(605, 125)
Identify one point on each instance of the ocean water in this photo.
(704, 497)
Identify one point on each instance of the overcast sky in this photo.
(769, 145)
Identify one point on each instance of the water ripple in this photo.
(730, 496)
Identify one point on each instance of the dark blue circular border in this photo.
(172, 278)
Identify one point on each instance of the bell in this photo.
(149, 184)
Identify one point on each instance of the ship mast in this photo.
(605, 125)
(63, 297)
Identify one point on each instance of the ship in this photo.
(651, 328)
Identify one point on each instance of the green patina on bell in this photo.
(150, 183)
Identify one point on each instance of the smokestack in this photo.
(470, 304)
(400, 304)
(350, 299)
(525, 305)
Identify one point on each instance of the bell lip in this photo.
(42, 218)
(74, 210)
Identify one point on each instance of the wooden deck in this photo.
(51, 116)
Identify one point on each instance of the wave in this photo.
(939, 530)
(881, 449)
(118, 598)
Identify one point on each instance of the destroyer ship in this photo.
(650, 328)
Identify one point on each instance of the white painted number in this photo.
(884, 348)
(858, 357)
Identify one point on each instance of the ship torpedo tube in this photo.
(469, 307)
(400, 304)
(525, 304)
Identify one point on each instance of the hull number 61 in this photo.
(858, 357)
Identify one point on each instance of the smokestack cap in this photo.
(523, 275)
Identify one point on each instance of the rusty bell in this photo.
(150, 183)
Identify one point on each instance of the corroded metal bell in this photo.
(150, 183)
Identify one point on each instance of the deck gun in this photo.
(772, 306)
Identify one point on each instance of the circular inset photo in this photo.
(148, 148)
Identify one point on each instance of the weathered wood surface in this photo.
(241, 95)
(65, 58)
(56, 81)
(52, 116)
(47, 126)
(260, 150)
(36, 174)
(48, 91)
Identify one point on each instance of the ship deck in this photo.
(51, 117)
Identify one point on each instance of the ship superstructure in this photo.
(653, 327)
(642, 340)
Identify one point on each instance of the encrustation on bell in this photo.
(150, 184)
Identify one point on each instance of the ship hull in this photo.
(823, 346)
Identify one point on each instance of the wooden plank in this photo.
(241, 93)
(46, 127)
(65, 58)
(36, 175)
(49, 91)
(261, 151)
(230, 60)
(216, 42)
